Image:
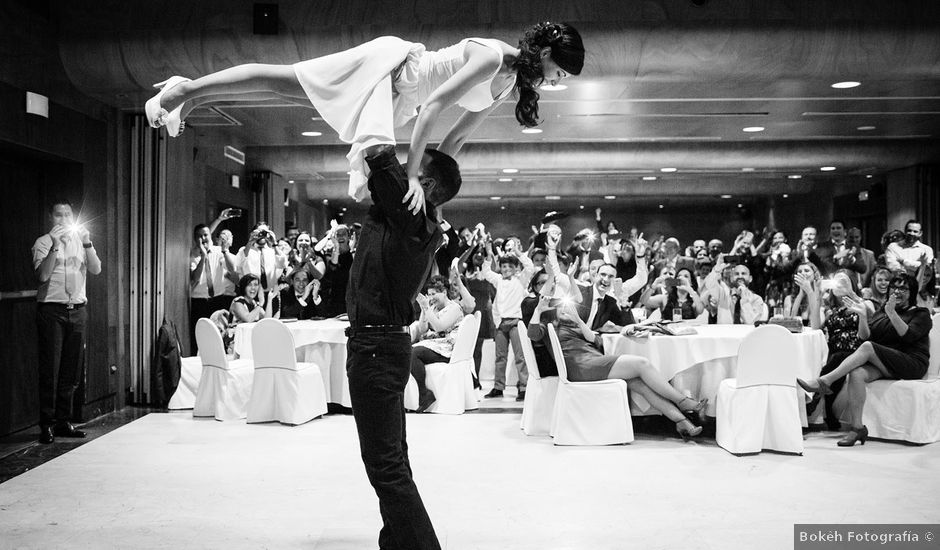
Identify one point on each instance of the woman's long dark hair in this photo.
(567, 51)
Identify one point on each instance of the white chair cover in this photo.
(588, 413)
(185, 395)
(225, 385)
(907, 410)
(452, 382)
(760, 409)
(283, 390)
(540, 392)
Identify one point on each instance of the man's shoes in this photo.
(64, 429)
(521, 396)
(425, 401)
(45, 435)
(494, 393)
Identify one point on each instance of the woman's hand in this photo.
(423, 301)
(856, 305)
(892, 303)
(805, 283)
(415, 196)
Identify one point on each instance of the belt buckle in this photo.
(69, 306)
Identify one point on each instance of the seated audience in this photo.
(731, 301)
(841, 327)
(806, 283)
(877, 292)
(247, 307)
(301, 298)
(895, 346)
(680, 292)
(536, 313)
(433, 335)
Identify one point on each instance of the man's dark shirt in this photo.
(395, 250)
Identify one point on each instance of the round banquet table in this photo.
(322, 342)
(697, 363)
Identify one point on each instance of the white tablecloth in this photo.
(322, 342)
(697, 363)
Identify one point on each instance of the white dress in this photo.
(366, 92)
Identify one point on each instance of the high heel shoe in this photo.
(821, 387)
(698, 409)
(686, 432)
(855, 434)
(156, 115)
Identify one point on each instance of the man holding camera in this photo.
(62, 259)
(259, 257)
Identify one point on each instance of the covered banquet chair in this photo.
(283, 389)
(540, 392)
(588, 413)
(760, 408)
(451, 382)
(225, 384)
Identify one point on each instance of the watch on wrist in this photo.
(89, 244)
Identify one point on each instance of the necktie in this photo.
(207, 267)
(69, 271)
(264, 274)
(736, 319)
(594, 308)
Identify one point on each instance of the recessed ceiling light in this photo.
(865, 128)
(846, 84)
(610, 197)
(344, 209)
(726, 196)
(502, 207)
(510, 170)
(753, 129)
(649, 178)
(326, 201)
(552, 198)
(661, 206)
(740, 205)
(504, 180)
(747, 169)
(290, 181)
(794, 176)
(786, 196)
(555, 88)
(531, 130)
(827, 168)
(582, 207)
(668, 169)
(311, 134)
(495, 198)
(869, 176)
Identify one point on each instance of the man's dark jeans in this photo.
(378, 366)
(61, 348)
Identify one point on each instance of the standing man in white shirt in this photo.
(209, 267)
(62, 259)
(910, 254)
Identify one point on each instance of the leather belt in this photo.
(66, 306)
(377, 329)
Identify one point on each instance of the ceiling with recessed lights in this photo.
(742, 97)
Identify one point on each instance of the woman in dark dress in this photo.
(896, 346)
(841, 327)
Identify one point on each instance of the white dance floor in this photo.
(168, 481)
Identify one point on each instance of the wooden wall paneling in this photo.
(185, 200)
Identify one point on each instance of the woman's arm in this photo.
(241, 312)
(481, 62)
(444, 320)
(461, 131)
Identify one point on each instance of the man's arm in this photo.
(44, 255)
(893, 257)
